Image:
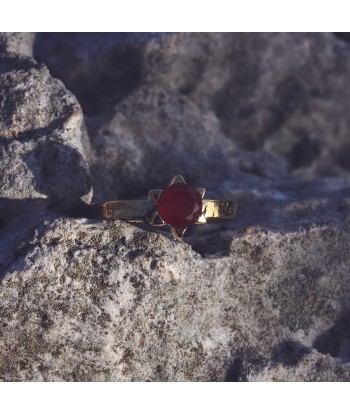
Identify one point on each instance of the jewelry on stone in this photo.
(178, 206)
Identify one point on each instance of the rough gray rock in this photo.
(265, 297)
(286, 93)
(152, 136)
(84, 300)
(100, 68)
(292, 104)
(313, 367)
(17, 42)
(41, 156)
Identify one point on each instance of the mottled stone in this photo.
(17, 42)
(89, 301)
(286, 93)
(262, 298)
(294, 104)
(314, 367)
(41, 156)
(100, 68)
(150, 137)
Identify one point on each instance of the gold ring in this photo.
(178, 206)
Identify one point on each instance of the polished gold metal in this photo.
(219, 209)
(147, 210)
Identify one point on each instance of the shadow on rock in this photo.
(280, 207)
(99, 68)
(12, 208)
(289, 353)
(235, 372)
(16, 238)
(336, 340)
(60, 174)
(50, 175)
(248, 362)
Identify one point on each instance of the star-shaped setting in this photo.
(178, 206)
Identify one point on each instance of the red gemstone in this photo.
(180, 205)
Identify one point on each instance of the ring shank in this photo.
(129, 210)
(141, 210)
(219, 209)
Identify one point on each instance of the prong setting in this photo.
(201, 191)
(178, 206)
(156, 220)
(177, 179)
(201, 220)
(154, 195)
(178, 234)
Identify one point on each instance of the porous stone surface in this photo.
(262, 298)
(41, 157)
(100, 68)
(285, 93)
(151, 136)
(83, 300)
(312, 367)
(17, 42)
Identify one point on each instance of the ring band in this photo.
(141, 210)
(153, 212)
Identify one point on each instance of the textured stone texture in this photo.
(312, 368)
(262, 298)
(152, 136)
(292, 104)
(83, 300)
(286, 93)
(100, 68)
(41, 157)
(17, 42)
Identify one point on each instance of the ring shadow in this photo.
(288, 353)
(336, 340)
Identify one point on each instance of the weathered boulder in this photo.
(262, 298)
(285, 93)
(41, 157)
(151, 136)
(17, 42)
(89, 301)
